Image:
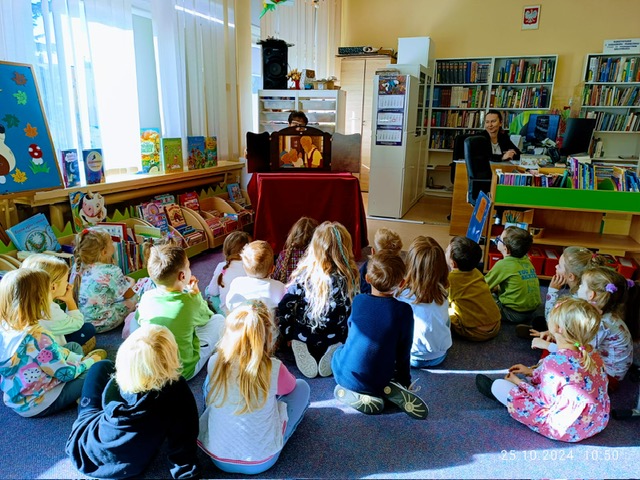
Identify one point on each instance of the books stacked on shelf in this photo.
(531, 178)
(443, 139)
(465, 119)
(616, 122)
(463, 71)
(191, 235)
(614, 69)
(523, 71)
(34, 234)
(587, 176)
(528, 97)
(611, 96)
(461, 97)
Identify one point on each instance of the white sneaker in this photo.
(304, 361)
(324, 365)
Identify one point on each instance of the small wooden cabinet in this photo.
(356, 78)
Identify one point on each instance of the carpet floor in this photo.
(465, 436)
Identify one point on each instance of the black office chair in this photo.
(477, 156)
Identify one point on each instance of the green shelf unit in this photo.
(567, 198)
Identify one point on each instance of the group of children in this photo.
(309, 300)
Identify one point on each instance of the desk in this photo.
(280, 199)
(131, 188)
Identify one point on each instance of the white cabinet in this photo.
(398, 142)
(324, 108)
(611, 95)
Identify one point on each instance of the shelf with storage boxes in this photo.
(603, 220)
(466, 88)
(325, 109)
(611, 95)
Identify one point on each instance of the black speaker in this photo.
(274, 64)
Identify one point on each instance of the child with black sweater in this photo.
(374, 364)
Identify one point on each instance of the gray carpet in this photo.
(465, 436)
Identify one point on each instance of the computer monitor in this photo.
(541, 126)
(577, 136)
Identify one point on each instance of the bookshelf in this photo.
(464, 89)
(611, 95)
(603, 220)
(325, 109)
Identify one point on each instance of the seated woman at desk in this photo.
(502, 148)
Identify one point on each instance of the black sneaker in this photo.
(408, 401)
(522, 331)
(360, 401)
(483, 383)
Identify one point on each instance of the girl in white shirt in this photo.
(253, 403)
(66, 326)
(426, 291)
(225, 272)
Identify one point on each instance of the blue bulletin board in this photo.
(27, 156)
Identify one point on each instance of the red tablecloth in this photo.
(280, 199)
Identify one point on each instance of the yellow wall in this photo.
(473, 28)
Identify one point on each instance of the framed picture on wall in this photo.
(531, 17)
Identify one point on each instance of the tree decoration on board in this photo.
(270, 5)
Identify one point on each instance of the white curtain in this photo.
(196, 58)
(314, 29)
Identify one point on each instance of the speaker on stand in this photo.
(274, 64)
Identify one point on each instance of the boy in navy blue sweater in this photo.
(373, 364)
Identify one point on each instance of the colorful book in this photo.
(211, 151)
(235, 194)
(195, 150)
(189, 200)
(93, 165)
(172, 155)
(87, 209)
(175, 216)
(153, 212)
(70, 168)
(34, 234)
(150, 150)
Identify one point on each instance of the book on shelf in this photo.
(70, 167)
(150, 150)
(153, 212)
(189, 200)
(195, 152)
(175, 216)
(235, 194)
(93, 165)
(118, 231)
(211, 151)
(34, 234)
(172, 161)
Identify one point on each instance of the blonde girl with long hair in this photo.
(565, 397)
(313, 313)
(66, 326)
(144, 403)
(253, 403)
(37, 375)
(294, 248)
(225, 272)
(105, 295)
(426, 290)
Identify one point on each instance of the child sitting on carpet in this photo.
(567, 397)
(105, 294)
(253, 403)
(225, 272)
(313, 313)
(514, 278)
(124, 419)
(373, 364)
(384, 239)
(607, 290)
(37, 375)
(257, 260)
(66, 326)
(294, 248)
(473, 313)
(177, 304)
(426, 291)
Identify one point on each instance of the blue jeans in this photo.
(417, 363)
(297, 403)
(71, 390)
(83, 335)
